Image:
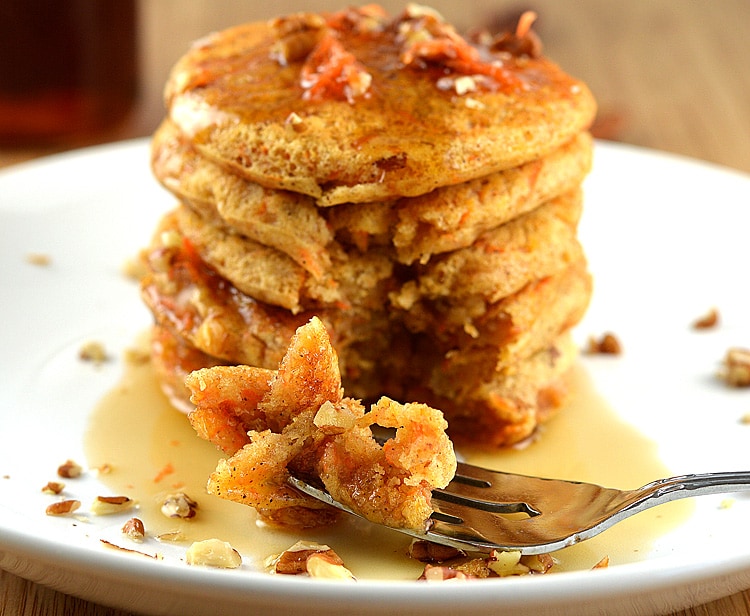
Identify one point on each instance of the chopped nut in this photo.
(473, 103)
(471, 330)
(327, 565)
(134, 530)
(476, 568)
(292, 561)
(295, 122)
(507, 563)
(114, 546)
(415, 11)
(107, 505)
(38, 258)
(315, 559)
(538, 563)
(296, 35)
(69, 470)
(213, 553)
(171, 239)
(63, 507)
(179, 505)
(440, 573)
(173, 535)
(745, 419)
(736, 369)
(602, 564)
(53, 487)
(104, 469)
(93, 351)
(332, 419)
(608, 344)
(707, 321)
(429, 552)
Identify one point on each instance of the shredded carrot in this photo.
(167, 469)
(525, 21)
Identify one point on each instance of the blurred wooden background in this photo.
(671, 75)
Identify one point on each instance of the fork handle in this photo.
(685, 486)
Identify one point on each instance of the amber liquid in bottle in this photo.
(68, 68)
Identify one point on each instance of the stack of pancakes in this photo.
(417, 191)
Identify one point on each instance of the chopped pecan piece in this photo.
(69, 470)
(94, 352)
(440, 573)
(179, 505)
(602, 564)
(38, 258)
(538, 563)
(53, 487)
(429, 552)
(108, 505)
(327, 565)
(736, 369)
(63, 507)
(707, 321)
(213, 553)
(314, 559)
(608, 344)
(506, 563)
(297, 35)
(134, 530)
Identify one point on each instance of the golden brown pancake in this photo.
(443, 220)
(514, 327)
(499, 263)
(417, 192)
(204, 310)
(287, 221)
(503, 407)
(358, 106)
(173, 359)
(264, 273)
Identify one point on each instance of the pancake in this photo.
(272, 277)
(417, 192)
(357, 106)
(500, 408)
(498, 264)
(446, 219)
(189, 298)
(515, 327)
(428, 225)
(173, 359)
(207, 313)
(286, 221)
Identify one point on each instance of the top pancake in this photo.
(358, 106)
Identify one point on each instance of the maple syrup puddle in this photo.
(153, 451)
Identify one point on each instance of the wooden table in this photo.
(669, 75)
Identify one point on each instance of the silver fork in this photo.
(483, 510)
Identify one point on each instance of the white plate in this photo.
(666, 239)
